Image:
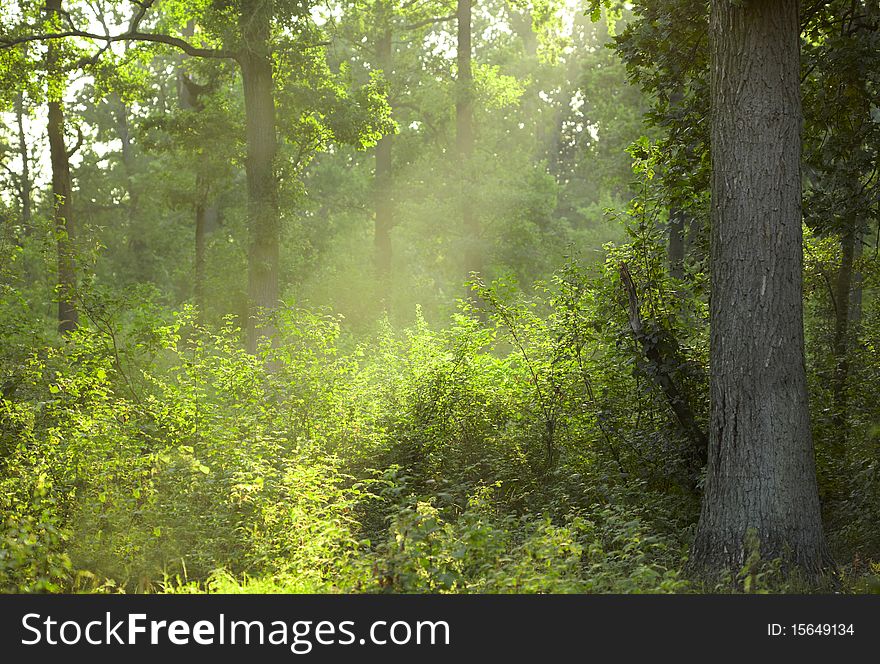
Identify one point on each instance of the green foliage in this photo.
(164, 458)
(481, 550)
(152, 451)
(33, 539)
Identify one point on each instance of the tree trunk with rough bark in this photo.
(761, 482)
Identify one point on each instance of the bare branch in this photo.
(91, 60)
(428, 21)
(143, 7)
(79, 141)
(182, 44)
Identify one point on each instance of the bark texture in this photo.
(761, 478)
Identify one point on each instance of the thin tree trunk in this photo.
(121, 110)
(552, 143)
(384, 215)
(25, 185)
(384, 206)
(761, 483)
(188, 95)
(676, 244)
(661, 374)
(464, 103)
(263, 222)
(850, 243)
(200, 246)
(855, 295)
(840, 345)
(464, 138)
(62, 188)
(137, 244)
(522, 23)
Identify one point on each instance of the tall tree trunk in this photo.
(761, 482)
(188, 96)
(663, 376)
(553, 138)
(384, 206)
(62, 188)
(25, 185)
(523, 24)
(263, 223)
(855, 295)
(853, 78)
(840, 345)
(137, 244)
(676, 243)
(464, 137)
(200, 245)
(120, 110)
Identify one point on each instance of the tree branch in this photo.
(79, 141)
(130, 35)
(182, 44)
(428, 21)
(660, 373)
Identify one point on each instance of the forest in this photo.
(439, 296)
